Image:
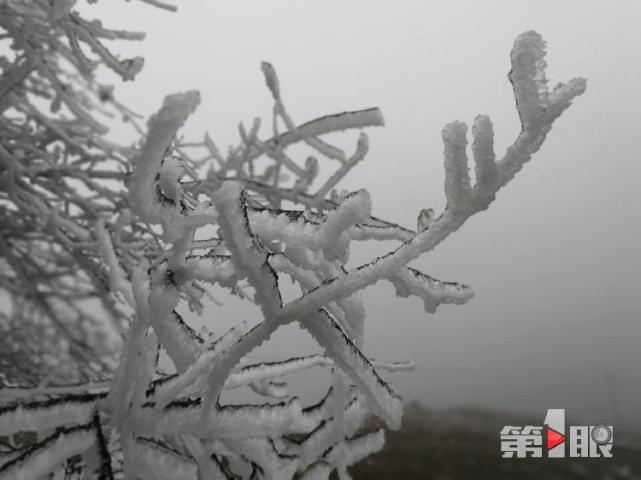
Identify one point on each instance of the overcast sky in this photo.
(555, 262)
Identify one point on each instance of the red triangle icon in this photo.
(554, 438)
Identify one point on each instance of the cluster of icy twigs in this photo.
(148, 425)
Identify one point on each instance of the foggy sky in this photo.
(554, 262)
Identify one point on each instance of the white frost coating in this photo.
(173, 425)
(261, 371)
(355, 450)
(125, 380)
(461, 202)
(230, 358)
(246, 254)
(158, 462)
(218, 269)
(117, 280)
(271, 421)
(562, 95)
(170, 174)
(319, 471)
(372, 117)
(425, 217)
(305, 276)
(60, 8)
(393, 366)
(48, 455)
(270, 370)
(145, 198)
(269, 388)
(433, 292)
(145, 367)
(332, 234)
(484, 157)
(178, 338)
(296, 229)
(280, 226)
(457, 177)
(317, 442)
(244, 421)
(349, 311)
(528, 77)
(263, 452)
(538, 108)
(47, 415)
(354, 317)
(208, 466)
(271, 79)
(196, 375)
(362, 148)
(380, 232)
(383, 401)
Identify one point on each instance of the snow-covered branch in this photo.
(144, 232)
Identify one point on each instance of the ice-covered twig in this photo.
(247, 254)
(383, 401)
(146, 199)
(537, 113)
(433, 292)
(42, 457)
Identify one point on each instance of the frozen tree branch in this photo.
(142, 232)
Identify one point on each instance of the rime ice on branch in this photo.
(147, 259)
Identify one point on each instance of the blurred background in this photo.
(555, 262)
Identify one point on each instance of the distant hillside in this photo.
(464, 444)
